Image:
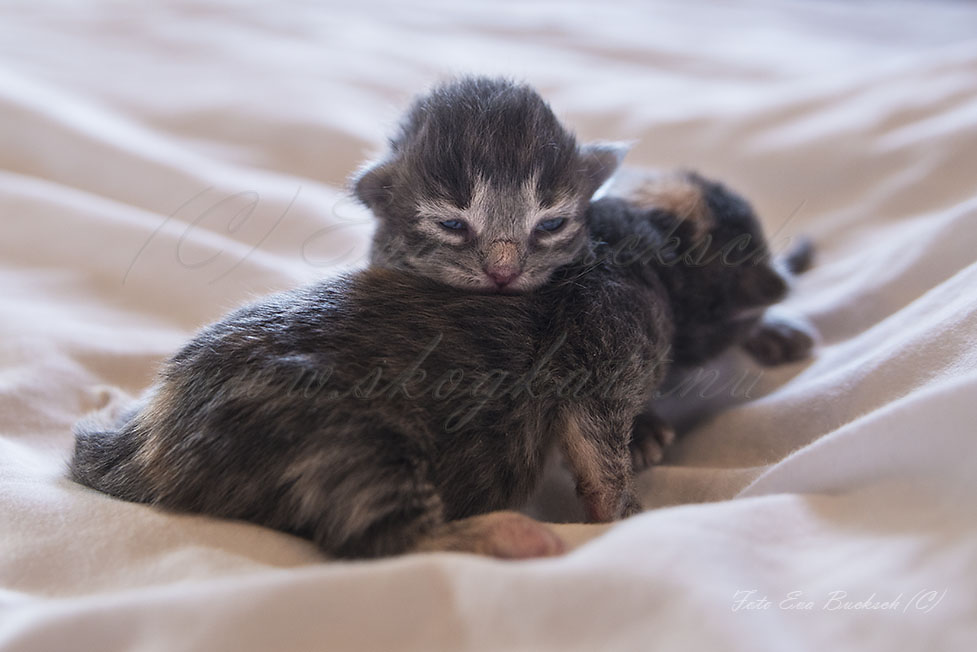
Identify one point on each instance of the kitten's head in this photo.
(714, 261)
(482, 188)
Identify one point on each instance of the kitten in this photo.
(482, 188)
(719, 275)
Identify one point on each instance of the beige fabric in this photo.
(161, 164)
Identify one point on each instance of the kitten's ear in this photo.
(760, 285)
(373, 185)
(599, 161)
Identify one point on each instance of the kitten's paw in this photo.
(779, 340)
(505, 535)
(514, 536)
(650, 436)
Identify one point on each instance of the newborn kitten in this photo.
(718, 272)
(482, 188)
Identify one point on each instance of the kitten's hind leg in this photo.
(361, 496)
(506, 535)
(372, 497)
(597, 447)
(649, 438)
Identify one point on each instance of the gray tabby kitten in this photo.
(308, 411)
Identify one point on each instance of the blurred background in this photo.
(149, 104)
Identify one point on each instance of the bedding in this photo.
(162, 164)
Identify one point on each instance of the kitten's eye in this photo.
(551, 225)
(453, 225)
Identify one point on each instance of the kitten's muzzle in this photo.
(502, 263)
(503, 276)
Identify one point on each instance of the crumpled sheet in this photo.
(161, 164)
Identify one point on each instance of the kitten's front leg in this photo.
(596, 448)
(780, 338)
(649, 438)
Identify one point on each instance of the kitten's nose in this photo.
(503, 275)
(502, 262)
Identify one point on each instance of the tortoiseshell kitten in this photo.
(719, 274)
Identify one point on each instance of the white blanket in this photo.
(161, 164)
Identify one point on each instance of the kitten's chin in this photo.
(521, 285)
(485, 285)
(490, 287)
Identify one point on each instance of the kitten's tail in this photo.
(104, 456)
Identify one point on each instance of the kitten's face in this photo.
(504, 239)
(483, 189)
